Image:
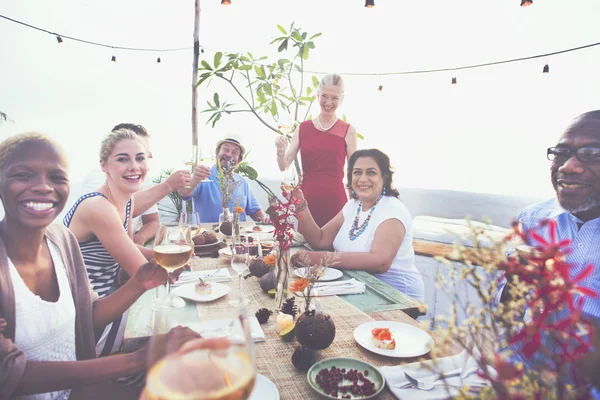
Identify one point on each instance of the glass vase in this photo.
(226, 222)
(282, 276)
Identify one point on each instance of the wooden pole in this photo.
(194, 82)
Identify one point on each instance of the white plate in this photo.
(331, 274)
(263, 229)
(188, 291)
(264, 389)
(410, 340)
(225, 252)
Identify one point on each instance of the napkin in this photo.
(209, 275)
(350, 286)
(256, 332)
(230, 328)
(418, 370)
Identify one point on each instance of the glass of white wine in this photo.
(224, 370)
(208, 160)
(173, 248)
(190, 220)
(240, 256)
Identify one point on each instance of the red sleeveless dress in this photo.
(323, 156)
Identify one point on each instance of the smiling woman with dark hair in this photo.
(48, 312)
(373, 231)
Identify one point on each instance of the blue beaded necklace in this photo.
(355, 230)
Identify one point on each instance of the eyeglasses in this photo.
(585, 154)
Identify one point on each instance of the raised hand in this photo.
(179, 180)
(281, 143)
(201, 172)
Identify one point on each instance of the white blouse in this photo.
(402, 274)
(45, 331)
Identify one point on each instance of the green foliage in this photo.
(273, 90)
(175, 197)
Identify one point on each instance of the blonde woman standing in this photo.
(324, 143)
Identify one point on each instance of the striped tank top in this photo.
(100, 265)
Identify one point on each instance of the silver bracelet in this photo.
(302, 206)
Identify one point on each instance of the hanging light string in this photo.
(60, 35)
(423, 71)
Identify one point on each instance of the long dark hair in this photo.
(383, 161)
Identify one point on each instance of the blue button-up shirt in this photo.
(207, 198)
(585, 250)
(585, 244)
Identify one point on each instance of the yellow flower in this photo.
(299, 285)
(270, 260)
(238, 209)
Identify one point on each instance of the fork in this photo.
(425, 384)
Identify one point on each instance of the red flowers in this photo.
(282, 214)
(557, 327)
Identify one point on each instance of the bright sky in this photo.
(487, 134)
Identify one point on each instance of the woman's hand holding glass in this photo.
(173, 248)
(218, 366)
(151, 275)
(281, 144)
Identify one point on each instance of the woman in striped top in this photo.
(100, 221)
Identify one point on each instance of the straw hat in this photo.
(232, 138)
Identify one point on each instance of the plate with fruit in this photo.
(202, 291)
(393, 339)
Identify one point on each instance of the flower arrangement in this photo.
(533, 355)
(237, 210)
(313, 272)
(227, 185)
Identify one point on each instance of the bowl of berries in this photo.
(345, 378)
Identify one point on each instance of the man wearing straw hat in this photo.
(206, 194)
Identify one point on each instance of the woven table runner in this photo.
(274, 356)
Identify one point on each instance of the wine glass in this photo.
(240, 256)
(227, 371)
(190, 220)
(208, 159)
(173, 248)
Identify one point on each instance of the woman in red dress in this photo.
(325, 143)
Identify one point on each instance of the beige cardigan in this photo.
(12, 360)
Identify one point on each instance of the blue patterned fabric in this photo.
(585, 243)
(585, 250)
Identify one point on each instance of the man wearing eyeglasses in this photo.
(575, 175)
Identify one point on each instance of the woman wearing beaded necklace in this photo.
(373, 232)
(325, 142)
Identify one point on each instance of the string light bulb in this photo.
(546, 69)
(380, 88)
(113, 59)
(202, 51)
(526, 3)
(226, 2)
(59, 39)
(369, 3)
(158, 60)
(453, 80)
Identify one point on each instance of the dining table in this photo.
(273, 355)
